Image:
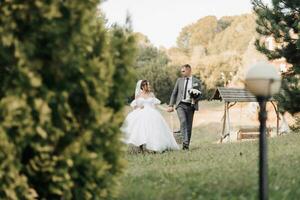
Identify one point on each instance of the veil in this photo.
(138, 88)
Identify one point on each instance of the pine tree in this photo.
(62, 93)
(281, 20)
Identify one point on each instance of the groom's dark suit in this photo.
(185, 111)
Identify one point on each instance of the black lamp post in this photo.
(263, 162)
(263, 81)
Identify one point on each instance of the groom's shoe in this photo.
(185, 147)
(141, 148)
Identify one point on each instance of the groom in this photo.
(181, 99)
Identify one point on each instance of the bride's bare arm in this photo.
(136, 106)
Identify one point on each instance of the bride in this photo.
(145, 126)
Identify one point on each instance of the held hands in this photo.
(170, 109)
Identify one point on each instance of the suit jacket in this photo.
(177, 94)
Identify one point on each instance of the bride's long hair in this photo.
(143, 84)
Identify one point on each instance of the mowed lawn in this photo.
(214, 171)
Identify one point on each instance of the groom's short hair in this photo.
(186, 66)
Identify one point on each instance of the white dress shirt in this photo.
(189, 86)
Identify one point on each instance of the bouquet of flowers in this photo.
(194, 94)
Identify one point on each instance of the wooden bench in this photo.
(250, 133)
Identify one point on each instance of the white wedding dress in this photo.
(146, 126)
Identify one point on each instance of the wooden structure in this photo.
(250, 133)
(231, 96)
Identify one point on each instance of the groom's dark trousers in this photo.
(185, 114)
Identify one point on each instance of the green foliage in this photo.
(216, 36)
(215, 48)
(218, 70)
(289, 97)
(150, 55)
(62, 95)
(235, 37)
(141, 39)
(281, 21)
(199, 33)
(10, 178)
(152, 65)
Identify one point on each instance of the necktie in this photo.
(185, 88)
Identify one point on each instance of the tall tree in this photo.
(152, 64)
(62, 94)
(281, 21)
(197, 34)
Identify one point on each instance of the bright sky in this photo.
(162, 20)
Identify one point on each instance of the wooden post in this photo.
(224, 123)
(277, 117)
(228, 121)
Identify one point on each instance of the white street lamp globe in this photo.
(262, 79)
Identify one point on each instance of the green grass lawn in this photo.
(214, 171)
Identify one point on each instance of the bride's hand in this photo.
(170, 109)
